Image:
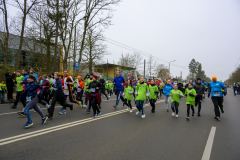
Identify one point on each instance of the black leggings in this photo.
(198, 102)
(46, 96)
(21, 98)
(61, 99)
(10, 92)
(152, 103)
(128, 103)
(188, 109)
(94, 105)
(79, 96)
(217, 101)
(161, 92)
(174, 106)
(102, 91)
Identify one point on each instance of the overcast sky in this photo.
(207, 30)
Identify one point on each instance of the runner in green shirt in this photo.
(110, 90)
(128, 91)
(142, 92)
(19, 78)
(175, 100)
(153, 94)
(190, 93)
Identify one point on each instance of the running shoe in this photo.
(28, 124)
(21, 114)
(62, 112)
(188, 118)
(176, 115)
(173, 113)
(193, 114)
(217, 118)
(71, 107)
(80, 104)
(131, 110)
(87, 110)
(13, 107)
(137, 113)
(44, 120)
(114, 106)
(143, 116)
(153, 111)
(198, 114)
(99, 114)
(95, 115)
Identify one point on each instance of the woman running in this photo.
(80, 87)
(190, 93)
(166, 91)
(153, 95)
(128, 91)
(141, 92)
(94, 95)
(175, 100)
(32, 100)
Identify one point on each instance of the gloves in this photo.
(190, 94)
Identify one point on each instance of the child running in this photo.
(175, 100)
(190, 93)
(110, 90)
(153, 94)
(166, 91)
(141, 92)
(128, 91)
(32, 100)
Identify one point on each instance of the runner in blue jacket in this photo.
(166, 91)
(118, 81)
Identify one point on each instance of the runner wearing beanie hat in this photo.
(215, 90)
(33, 71)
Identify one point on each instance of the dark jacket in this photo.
(180, 86)
(199, 88)
(47, 85)
(9, 81)
(103, 82)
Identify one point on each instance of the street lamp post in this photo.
(169, 68)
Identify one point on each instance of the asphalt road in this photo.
(118, 134)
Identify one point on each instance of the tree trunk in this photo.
(6, 37)
(22, 32)
(83, 41)
(56, 50)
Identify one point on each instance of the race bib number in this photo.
(65, 90)
(93, 90)
(216, 93)
(28, 98)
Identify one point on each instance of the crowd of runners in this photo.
(56, 88)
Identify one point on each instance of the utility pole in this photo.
(144, 69)
(74, 53)
(107, 68)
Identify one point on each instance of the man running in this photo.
(103, 83)
(118, 81)
(215, 89)
(199, 87)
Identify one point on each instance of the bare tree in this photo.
(94, 50)
(130, 60)
(151, 65)
(163, 74)
(97, 12)
(4, 37)
(25, 6)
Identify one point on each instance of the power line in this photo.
(143, 53)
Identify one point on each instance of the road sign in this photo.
(76, 65)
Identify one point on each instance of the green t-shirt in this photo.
(88, 83)
(153, 89)
(190, 100)
(50, 81)
(141, 90)
(176, 97)
(19, 86)
(75, 83)
(107, 85)
(110, 86)
(128, 95)
(85, 84)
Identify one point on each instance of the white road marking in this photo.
(208, 148)
(59, 127)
